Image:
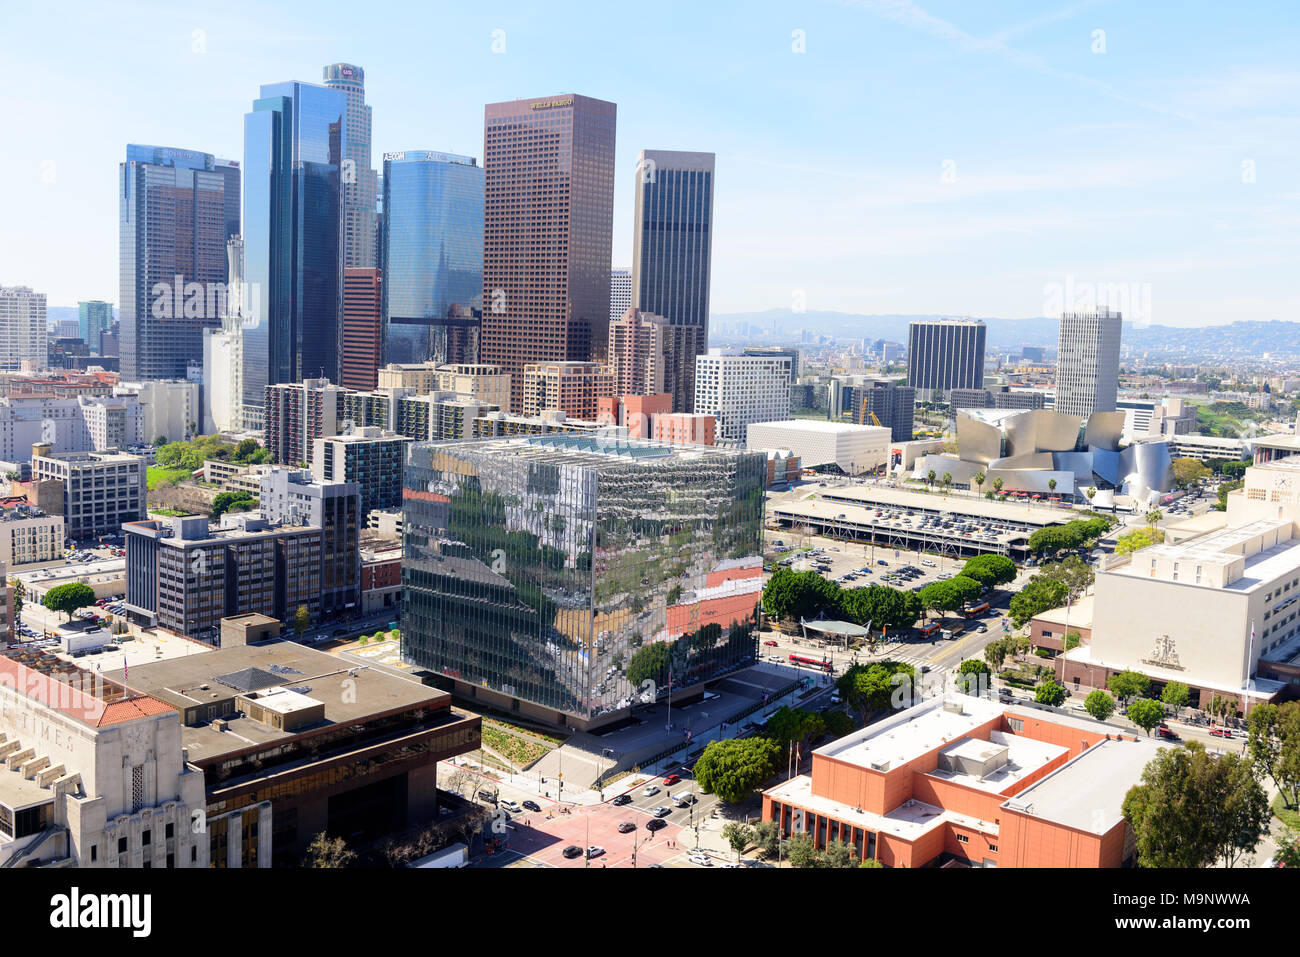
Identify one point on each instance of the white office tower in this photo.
(360, 181)
(24, 336)
(222, 353)
(740, 390)
(620, 292)
(1087, 362)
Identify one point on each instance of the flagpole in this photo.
(1250, 653)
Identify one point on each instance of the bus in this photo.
(821, 663)
(976, 611)
(925, 631)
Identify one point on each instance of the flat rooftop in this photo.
(911, 733)
(597, 452)
(870, 496)
(1281, 440)
(350, 693)
(1087, 793)
(1025, 756)
(816, 425)
(1079, 613)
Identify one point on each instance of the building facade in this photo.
(739, 390)
(539, 573)
(945, 354)
(292, 497)
(889, 403)
(101, 490)
(298, 413)
(573, 388)
(360, 219)
(295, 144)
(854, 449)
(548, 232)
(1087, 362)
(24, 335)
(620, 291)
(373, 458)
(363, 328)
(94, 318)
(433, 256)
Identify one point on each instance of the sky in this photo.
(873, 156)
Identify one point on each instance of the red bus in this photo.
(810, 662)
(976, 611)
(925, 631)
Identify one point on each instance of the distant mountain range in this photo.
(1237, 338)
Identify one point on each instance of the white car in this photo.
(650, 789)
(701, 859)
(511, 806)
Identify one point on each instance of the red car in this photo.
(1164, 731)
(672, 779)
(770, 643)
(1220, 732)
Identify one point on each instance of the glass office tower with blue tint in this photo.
(294, 144)
(177, 208)
(432, 256)
(570, 579)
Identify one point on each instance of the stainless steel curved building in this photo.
(1032, 450)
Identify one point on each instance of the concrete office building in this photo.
(620, 291)
(788, 351)
(357, 754)
(888, 402)
(854, 449)
(371, 457)
(184, 576)
(475, 619)
(101, 490)
(94, 318)
(945, 354)
(433, 257)
(739, 390)
(293, 497)
(167, 408)
(95, 774)
(295, 142)
(80, 424)
(1087, 362)
(29, 534)
(177, 209)
(24, 335)
(548, 233)
(360, 220)
(363, 328)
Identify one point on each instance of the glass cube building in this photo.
(570, 577)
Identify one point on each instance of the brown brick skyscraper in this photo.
(547, 232)
(362, 328)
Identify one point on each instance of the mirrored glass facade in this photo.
(580, 575)
(433, 256)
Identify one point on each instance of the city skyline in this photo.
(1040, 158)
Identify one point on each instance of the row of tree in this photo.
(1058, 538)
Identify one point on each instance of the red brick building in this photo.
(362, 328)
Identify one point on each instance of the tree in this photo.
(160, 440)
(1128, 684)
(301, 620)
(789, 725)
(838, 854)
(1091, 493)
(838, 724)
(1050, 692)
(973, 677)
(1192, 809)
(990, 570)
(1071, 640)
(650, 662)
(1154, 516)
(949, 595)
(1288, 848)
(1099, 704)
(737, 834)
(1146, 713)
(997, 484)
(946, 481)
(1177, 695)
(68, 598)
(1138, 539)
(733, 768)
(995, 652)
(870, 862)
(870, 688)
(238, 501)
(20, 592)
(929, 477)
(800, 851)
(1072, 572)
(978, 478)
(1274, 745)
(766, 836)
(1037, 596)
(1051, 485)
(1188, 471)
(326, 851)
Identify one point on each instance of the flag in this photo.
(126, 669)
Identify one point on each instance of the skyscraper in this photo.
(362, 328)
(945, 354)
(94, 318)
(23, 332)
(672, 240)
(1087, 362)
(359, 179)
(620, 292)
(889, 403)
(433, 256)
(295, 140)
(177, 210)
(548, 232)
(738, 390)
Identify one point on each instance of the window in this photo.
(963, 839)
(1016, 724)
(94, 852)
(121, 845)
(146, 838)
(171, 830)
(993, 848)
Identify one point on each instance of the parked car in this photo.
(594, 851)
(572, 851)
(511, 806)
(1164, 731)
(672, 779)
(703, 860)
(650, 790)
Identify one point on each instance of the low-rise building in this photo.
(967, 780)
(101, 490)
(28, 534)
(854, 449)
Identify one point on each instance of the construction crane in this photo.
(867, 412)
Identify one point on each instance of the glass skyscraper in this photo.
(94, 318)
(177, 210)
(433, 256)
(295, 141)
(672, 237)
(571, 578)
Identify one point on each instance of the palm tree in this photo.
(1153, 517)
(1051, 485)
(978, 479)
(946, 481)
(929, 477)
(997, 484)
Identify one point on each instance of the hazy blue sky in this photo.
(1169, 163)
